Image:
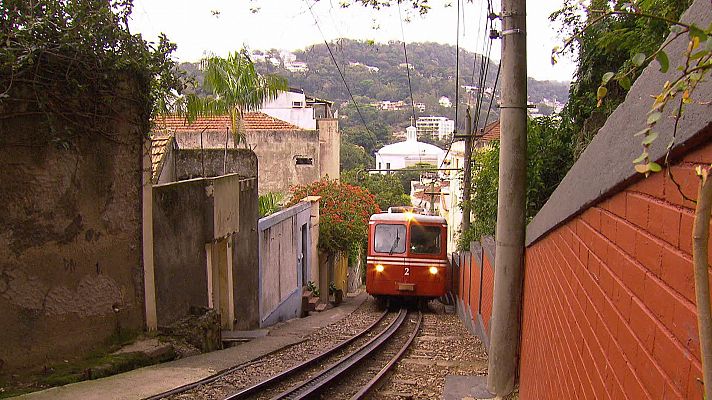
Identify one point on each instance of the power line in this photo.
(473, 75)
(363, 120)
(494, 91)
(457, 67)
(407, 65)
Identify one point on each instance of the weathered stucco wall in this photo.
(246, 276)
(329, 147)
(70, 235)
(286, 157)
(181, 228)
(278, 152)
(187, 216)
(190, 163)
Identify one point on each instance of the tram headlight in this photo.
(379, 268)
(433, 270)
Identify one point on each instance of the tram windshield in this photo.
(389, 238)
(424, 239)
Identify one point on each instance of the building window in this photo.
(379, 165)
(297, 104)
(388, 166)
(305, 161)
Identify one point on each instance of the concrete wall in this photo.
(188, 216)
(278, 151)
(281, 258)
(70, 233)
(190, 163)
(329, 147)
(246, 276)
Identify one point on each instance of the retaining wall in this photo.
(608, 302)
(474, 272)
(608, 307)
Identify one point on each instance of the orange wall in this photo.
(608, 307)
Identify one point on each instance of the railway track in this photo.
(319, 381)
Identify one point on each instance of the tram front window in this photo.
(424, 239)
(389, 238)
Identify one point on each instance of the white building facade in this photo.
(439, 128)
(297, 108)
(408, 153)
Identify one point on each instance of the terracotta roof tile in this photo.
(253, 121)
(491, 132)
(158, 152)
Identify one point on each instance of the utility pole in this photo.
(510, 234)
(467, 172)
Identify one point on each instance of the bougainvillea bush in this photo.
(344, 211)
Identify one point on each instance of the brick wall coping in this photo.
(605, 167)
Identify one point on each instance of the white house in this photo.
(408, 153)
(445, 102)
(297, 108)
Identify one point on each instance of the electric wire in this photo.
(447, 152)
(457, 68)
(494, 92)
(407, 65)
(358, 110)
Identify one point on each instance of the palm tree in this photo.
(235, 87)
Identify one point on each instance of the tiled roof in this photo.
(158, 152)
(491, 132)
(253, 121)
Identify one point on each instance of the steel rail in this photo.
(372, 383)
(315, 384)
(282, 375)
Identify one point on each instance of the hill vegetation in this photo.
(377, 72)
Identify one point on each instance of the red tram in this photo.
(407, 256)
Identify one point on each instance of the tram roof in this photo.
(402, 217)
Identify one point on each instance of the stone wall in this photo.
(70, 233)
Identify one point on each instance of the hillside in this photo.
(376, 72)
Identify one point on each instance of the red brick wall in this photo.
(608, 308)
(487, 290)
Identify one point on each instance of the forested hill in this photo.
(432, 76)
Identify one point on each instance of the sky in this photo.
(217, 27)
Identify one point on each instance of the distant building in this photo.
(452, 195)
(296, 66)
(408, 153)
(295, 137)
(420, 107)
(368, 67)
(297, 108)
(445, 102)
(387, 105)
(439, 128)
